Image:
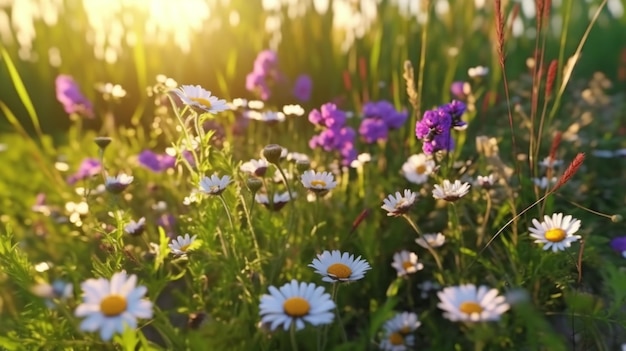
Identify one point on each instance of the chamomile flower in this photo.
(280, 200)
(399, 204)
(196, 96)
(478, 72)
(450, 191)
(59, 289)
(181, 245)
(432, 240)
(417, 168)
(556, 232)
(214, 185)
(135, 228)
(405, 262)
(398, 332)
(112, 305)
(296, 303)
(267, 116)
(468, 303)
(318, 182)
(485, 182)
(256, 167)
(549, 162)
(339, 267)
(543, 182)
(118, 183)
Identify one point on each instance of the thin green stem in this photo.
(292, 333)
(483, 227)
(255, 242)
(428, 247)
(344, 336)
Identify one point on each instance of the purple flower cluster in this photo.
(88, 168)
(435, 126)
(337, 136)
(618, 244)
(303, 87)
(264, 74)
(156, 162)
(69, 95)
(378, 118)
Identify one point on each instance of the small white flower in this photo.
(478, 71)
(361, 160)
(417, 168)
(406, 262)
(296, 156)
(256, 167)
(556, 232)
(339, 267)
(135, 228)
(296, 303)
(193, 198)
(181, 245)
(280, 200)
(118, 183)
(426, 287)
(603, 153)
(58, 290)
(238, 103)
(267, 116)
(543, 183)
(433, 240)
(318, 182)
(196, 96)
(398, 332)
(399, 204)
(549, 162)
(111, 306)
(295, 110)
(256, 104)
(467, 303)
(214, 185)
(486, 182)
(450, 191)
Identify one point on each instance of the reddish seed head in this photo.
(347, 82)
(362, 68)
(551, 77)
(555, 145)
(571, 170)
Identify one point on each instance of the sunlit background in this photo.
(213, 42)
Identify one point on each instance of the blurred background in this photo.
(345, 45)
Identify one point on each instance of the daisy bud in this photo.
(254, 184)
(616, 218)
(303, 165)
(102, 142)
(272, 153)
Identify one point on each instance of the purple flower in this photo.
(328, 116)
(265, 61)
(619, 245)
(264, 74)
(434, 131)
(255, 82)
(456, 109)
(156, 162)
(303, 87)
(384, 110)
(459, 89)
(373, 130)
(69, 95)
(88, 168)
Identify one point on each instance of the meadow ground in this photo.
(312, 175)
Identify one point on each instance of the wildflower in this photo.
(273, 153)
(296, 303)
(486, 182)
(256, 167)
(156, 162)
(196, 96)
(341, 140)
(296, 156)
(293, 110)
(417, 168)
(69, 95)
(478, 72)
(450, 191)
(102, 142)
(361, 160)
(603, 153)
(373, 130)
(405, 263)
(110, 306)
(88, 168)
(59, 290)
(328, 116)
(556, 232)
(426, 287)
(193, 198)
(433, 240)
(467, 303)
(339, 267)
(460, 89)
(399, 204)
(318, 182)
(266, 116)
(280, 200)
(214, 185)
(264, 74)
(619, 245)
(543, 183)
(303, 87)
(434, 130)
(135, 228)
(398, 330)
(118, 183)
(181, 245)
(549, 162)
(378, 118)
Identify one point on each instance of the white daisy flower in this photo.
(196, 96)
(296, 156)
(266, 116)
(256, 167)
(432, 240)
(485, 182)
(118, 183)
(181, 245)
(556, 232)
(450, 191)
(238, 103)
(256, 104)
(193, 198)
(399, 204)
(295, 110)
(111, 306)
(361, 160)
(405, 262)
(417, 168)
(318, 182)
(57, 290)
(549, 162)
(398, 330)
(339, 267)
(543, 182)
(135, 228)
(467, 303)
(280, 200)
(214, 185)
(296, 303)
(478, 71)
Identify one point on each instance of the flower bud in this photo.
(303, 165)
(102, 142)
(254, 184)
(272, 153)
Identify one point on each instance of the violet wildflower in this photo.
(69, 95)
(456, 109)
(379, 118)
(434, 131)
(328, 116)
(156, 162)
(303, 87)
(460, 89)
(264, 74)
(619, 245)
(88, 168)
(373, 130)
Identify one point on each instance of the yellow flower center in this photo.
(421, 169)
(400, 204)
(296, 306)
(184, 248)
(555, 235)
(214, 188)
(470, 307)
(396, 339)
(204, 102)
(405, 330)
(318, 183)
(339, 270)
(407, 264)
(113, 305)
